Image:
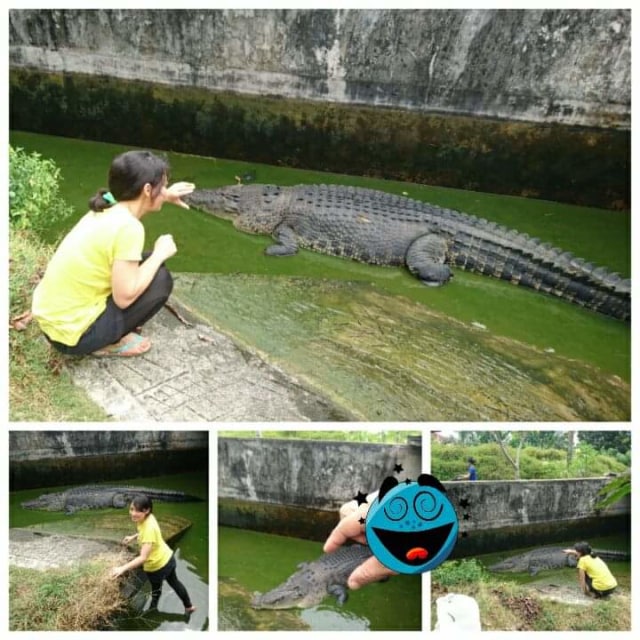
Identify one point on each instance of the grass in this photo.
(40, 388)
(78, 598)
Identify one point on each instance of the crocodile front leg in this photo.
(425, 259)
(339, 591)
(286, 242)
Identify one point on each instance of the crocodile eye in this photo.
(396, 509)
(425, 505)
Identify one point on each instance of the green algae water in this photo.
(249, 561)
(380, 357)
(209, 245)
(191, 547)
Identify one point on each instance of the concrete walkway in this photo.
(195, 374)
(36, 550)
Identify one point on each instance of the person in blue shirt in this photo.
(471, 474)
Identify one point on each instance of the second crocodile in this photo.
(385, 229)
(101, 497)
(313, 581)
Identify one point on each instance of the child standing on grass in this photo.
(156, 557)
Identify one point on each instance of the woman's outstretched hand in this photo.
(351, 528)
(177, 191)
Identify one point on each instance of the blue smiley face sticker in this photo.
(412, 527)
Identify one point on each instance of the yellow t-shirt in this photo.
(149, 531)
(77, 282)
(597, 570)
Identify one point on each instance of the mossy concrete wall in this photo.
(533, 103)
(562, 65)
(50, 458)
(308, 473)
(517, 513)
(295, 487)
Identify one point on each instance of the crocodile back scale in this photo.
(101, 497)
(385, 229)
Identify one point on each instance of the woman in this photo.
(594, 576)
(99, 289)
(155, 557)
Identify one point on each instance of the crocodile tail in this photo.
(494, 250)
(612, 554)
(173, 496)
(160, 495)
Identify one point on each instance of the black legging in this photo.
(114, 323)
(168, 573)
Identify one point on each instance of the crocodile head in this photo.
(46, 502)
(288, 596)
(221, 202)
(254, 208)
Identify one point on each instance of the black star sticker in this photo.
(362, 521)
(361, 498)
(464, 534)
(466, 516)
(398, 468)
(407, 481)
(464, 503)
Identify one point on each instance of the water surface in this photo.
(249, 561)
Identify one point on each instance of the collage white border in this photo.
(214, 428)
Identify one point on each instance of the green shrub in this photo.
(455, 572)
(34, 194)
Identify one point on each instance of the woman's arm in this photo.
(582, 581)
(129, 278)
(138, 561)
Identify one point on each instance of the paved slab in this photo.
(196, 374)
(36, 550)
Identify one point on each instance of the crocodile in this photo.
(549, 558)
(380, 228)
(101, 497)
(313, 581)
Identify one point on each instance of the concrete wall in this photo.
(49, 458)
(567, 66)
(307, 473)
(517, 513)
(497, 504)
(295, 487)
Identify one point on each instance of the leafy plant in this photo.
(34, 191)
(456, 572)
(615, 490)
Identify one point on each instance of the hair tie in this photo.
(108, 197)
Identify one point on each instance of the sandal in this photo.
(130, 345)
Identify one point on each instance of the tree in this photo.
(619, 441)
(546, 439)
(503, 437)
